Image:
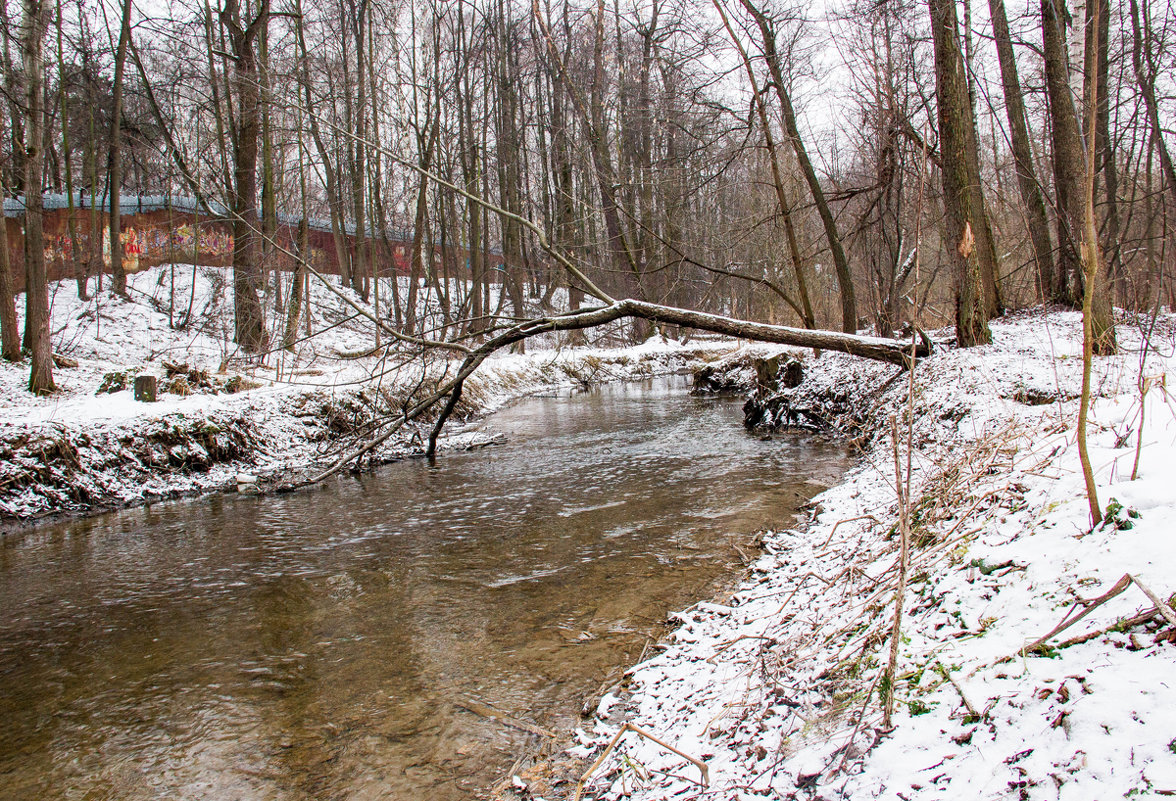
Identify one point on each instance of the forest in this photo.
(624, 399)
(860, 166)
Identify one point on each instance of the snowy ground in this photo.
(777, 688)
(92, 445)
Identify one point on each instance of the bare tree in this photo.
(115, 153)
(963, 199)
(34, 25)
(1027, 182)
(9, 332)
(849, 317)
(1069, 158)
(243, 32)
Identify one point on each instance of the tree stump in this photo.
(146, 387)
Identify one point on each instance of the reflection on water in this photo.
(318, 645)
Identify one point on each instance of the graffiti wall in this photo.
(159, 237)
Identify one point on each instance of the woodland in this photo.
(957, 215)
(868, 165)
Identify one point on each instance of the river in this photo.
(331, 643)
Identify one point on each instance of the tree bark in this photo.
(509, 171)
(1097, 313)
(563, 187)
(36, 285)
(1027, 183)
(961, 185)
(1067, 155)
(9, 330)
(1069, 160)
(251, 334)
(269, 197)
(359, 273)
(119, 276)
(1105, 152)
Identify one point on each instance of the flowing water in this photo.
(332, 643)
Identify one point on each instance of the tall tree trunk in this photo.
(563, 188)
(1105, 152)
(301, 274)
(359, 181)
(297, 286)
(849, 319)
(269, 192)
(375, 182)
(12, 91)
(1096, 301)
(509, 176)
(75, 253)
(595, 122)
(1027, 183)
(1067, 154)
(1069, 160)
(251, 333)
(330, 182)
(471, 178)
(94, 251)
(1143, 63)
(120, 62)
(9, 330)
(805, 308)
(36, 285)
(957, 136)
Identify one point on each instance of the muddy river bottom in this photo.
(347, 642)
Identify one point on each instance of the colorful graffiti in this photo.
(60, 248)
(129, 239)
(157, 237)
(183, 237)
(216, 243)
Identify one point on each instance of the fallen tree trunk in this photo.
(879, 349)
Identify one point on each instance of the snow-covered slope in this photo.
(778, 688)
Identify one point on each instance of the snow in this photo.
(80, 449)
(778, 689)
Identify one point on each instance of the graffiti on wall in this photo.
(60, 248)
(157, 237)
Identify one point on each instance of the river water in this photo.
(331, 643)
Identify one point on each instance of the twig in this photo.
(858, 725)
(1122, 623)
(612, 744)
(1120, 586)
(1165, 610)
(829, 539)
(718, 651)
(489, 712)
(943, 671)
(904, 531)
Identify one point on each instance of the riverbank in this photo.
(92, 446)
(777, 690)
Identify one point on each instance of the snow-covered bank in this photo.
(92, 445)
(777, 688)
